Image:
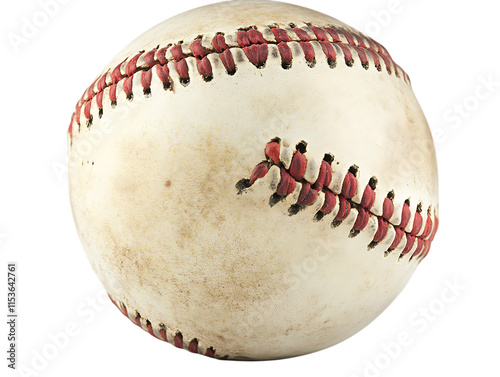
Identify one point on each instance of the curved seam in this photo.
(332, 40)
(177, 340)
(419, 237)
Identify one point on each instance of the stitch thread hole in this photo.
(328, 158)
(353, 233)
(275, 199)
(294, 209)
(319, 216)
(210, 352)
(311, 63)
(354, 170)
(275, 140)
(242, 185)
(167, 85)
(254, 27)
(391, 195)
(147, 92)
(419, 207)
(130, 97)
(336, 223)
(101, 112)
(349, 63)
(407, 202)
(301, 147)
(286, 65)
(208, 78)
(185, 81)
(137, 318)
(373, 183)
(332, 63)
(89, 121)
(372, 245)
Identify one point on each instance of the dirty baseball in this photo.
(253, 180)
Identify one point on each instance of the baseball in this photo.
(252, 180)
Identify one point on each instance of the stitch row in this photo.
(420, 235)
(334, 42)
(177, 340)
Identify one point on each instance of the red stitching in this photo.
(309, 193)
(320, 34)
(330, 53)
(177, 53)
(334, 34)
(280, 35)
(146, 78)
(333, 41)
(112, 94)
(182, 70)
(286, 55)
(227, 60)
(164, 75)
(309, 52)
(257, 54)
(219, 43)
(127, 87)
(116, 74)
(149, 58)
(131, 66)
(162, 55)
(198, 50)
(177, 340)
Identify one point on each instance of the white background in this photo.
(449, 48)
